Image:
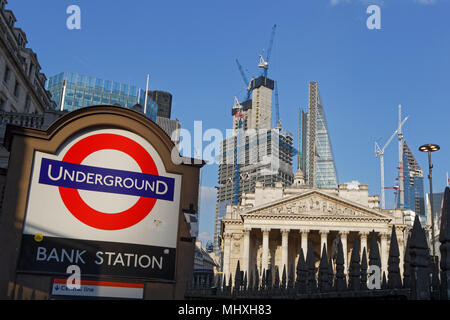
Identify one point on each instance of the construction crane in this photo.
(244, 78)
(264, 64)
(237, 167)
(380, 152)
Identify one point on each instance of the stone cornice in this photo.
(232, 221)
(300, 217)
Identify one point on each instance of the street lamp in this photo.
(431, 148)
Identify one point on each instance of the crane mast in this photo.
(380, 152)
(401, 187)
(237, 168)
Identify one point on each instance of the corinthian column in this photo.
(284, 249)
(226, 254)
(384, 253)
(363, 236)
(401, 248)
(344, 235)
(246, 253)
(265, 248)
(304, 233)
(323, 240)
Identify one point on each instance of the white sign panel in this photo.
(104, 202)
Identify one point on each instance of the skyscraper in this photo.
(257, 111)
(316, 157)
(414, 190)
(71, 91)
(164, 101)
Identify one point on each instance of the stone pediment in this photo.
(315, 203)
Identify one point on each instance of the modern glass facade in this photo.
(413, 184)
(326, 172)
(72, 91)
(316, 158)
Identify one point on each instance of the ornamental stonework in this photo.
(314, 205)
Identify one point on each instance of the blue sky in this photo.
(189, 48)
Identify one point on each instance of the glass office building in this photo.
(316, 157)
(413, 183)
(71, 91)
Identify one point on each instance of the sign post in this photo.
(97, 190)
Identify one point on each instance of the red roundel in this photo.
(100, 220)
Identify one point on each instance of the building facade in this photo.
(22, 84)
(23, 98)
(257, 111)
(438, 203)
(171, 127)
(270, 226)
(164, 101)
(316, 154)
(204, 265)
(71, 91)
(413, 184)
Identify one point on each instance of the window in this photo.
(16, 89)
(27, 104)
(6, 75)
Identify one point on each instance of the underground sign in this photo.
(105, 203)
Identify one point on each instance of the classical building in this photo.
(271, 225)
(23, 98)
(204, 265)
(21, 82)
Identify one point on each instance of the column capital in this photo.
(227, 235)
(384, 235)
(364, 233)
(324, 231)
(246, 230)
(285, 230)
(344, 232)
(265, 230)
(304, 230)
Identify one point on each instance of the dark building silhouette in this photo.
(164, 101)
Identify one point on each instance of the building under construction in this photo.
(264, 154)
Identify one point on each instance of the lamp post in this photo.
(431, 148)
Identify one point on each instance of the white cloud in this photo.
(364, 2)
(208, 194)
(425, 2)
(204, 237)
(378, 2)
(336, 2)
